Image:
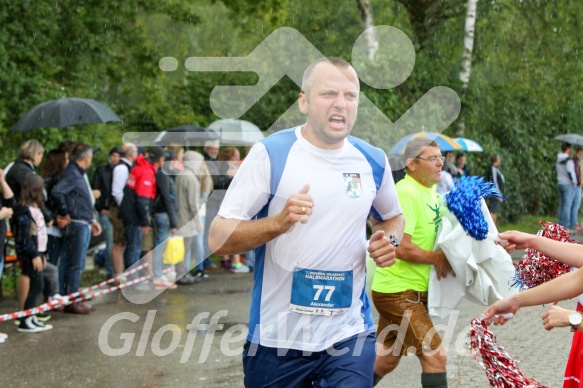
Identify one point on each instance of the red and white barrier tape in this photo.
(81, 295)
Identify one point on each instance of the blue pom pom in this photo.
(464, 201)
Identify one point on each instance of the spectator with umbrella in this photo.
(73, 200)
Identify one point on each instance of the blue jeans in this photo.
(76, 238)
(566, 194)
(131, 254)
(162, 224)
(185, 265)
(198, 247)
(575, 206)
(107, 231)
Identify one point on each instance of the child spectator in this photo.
(31, 243)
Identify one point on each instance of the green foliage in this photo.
(524, 87)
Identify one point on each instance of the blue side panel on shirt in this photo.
(376, 159)
(278, 147)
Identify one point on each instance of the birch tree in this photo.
(468, 43)
(467, 56)
(372, 43)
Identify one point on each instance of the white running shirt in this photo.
(344, 191)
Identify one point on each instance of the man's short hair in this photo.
(30, 149)
(211, 143)
(565, 146)
(82, 151)
(307, 79)
(127, 149)
(494, 158)
(416, 145)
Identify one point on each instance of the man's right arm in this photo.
(231, 236)
(119, 179)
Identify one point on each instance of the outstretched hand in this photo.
(514, 240)
(498, 312)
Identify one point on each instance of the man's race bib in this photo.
(321, 292)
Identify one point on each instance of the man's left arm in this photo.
(381, 248)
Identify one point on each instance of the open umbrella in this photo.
(446, 143)
(186, 135)
(468, 145)
(237, 132)
(65, 112)
(571, 138)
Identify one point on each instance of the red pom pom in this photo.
(501, 370)
(535, 268)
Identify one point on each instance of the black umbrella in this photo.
(186, 135)
(65, 112)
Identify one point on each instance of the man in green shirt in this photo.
(400, 292)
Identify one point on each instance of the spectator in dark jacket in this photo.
(31, 240)
(164, 221)
(29, 157)
(136, 206)
(102, 182)
(119, 178)
(73, 201)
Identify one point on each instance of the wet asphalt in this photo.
(157, 344)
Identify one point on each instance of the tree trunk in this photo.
(467, 57)
(370, 38)
(468, 43)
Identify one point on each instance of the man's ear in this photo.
(303, 102)
(410, 164)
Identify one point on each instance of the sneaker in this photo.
(201, 275)
(239, 268)
(187, 279)
(3, 337)
(31, 325)
(578, 227)
(162, 283)
(43, 317)
(170, 276)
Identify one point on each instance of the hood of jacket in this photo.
(193, 162)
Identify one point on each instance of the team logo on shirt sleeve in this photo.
(352, 184)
